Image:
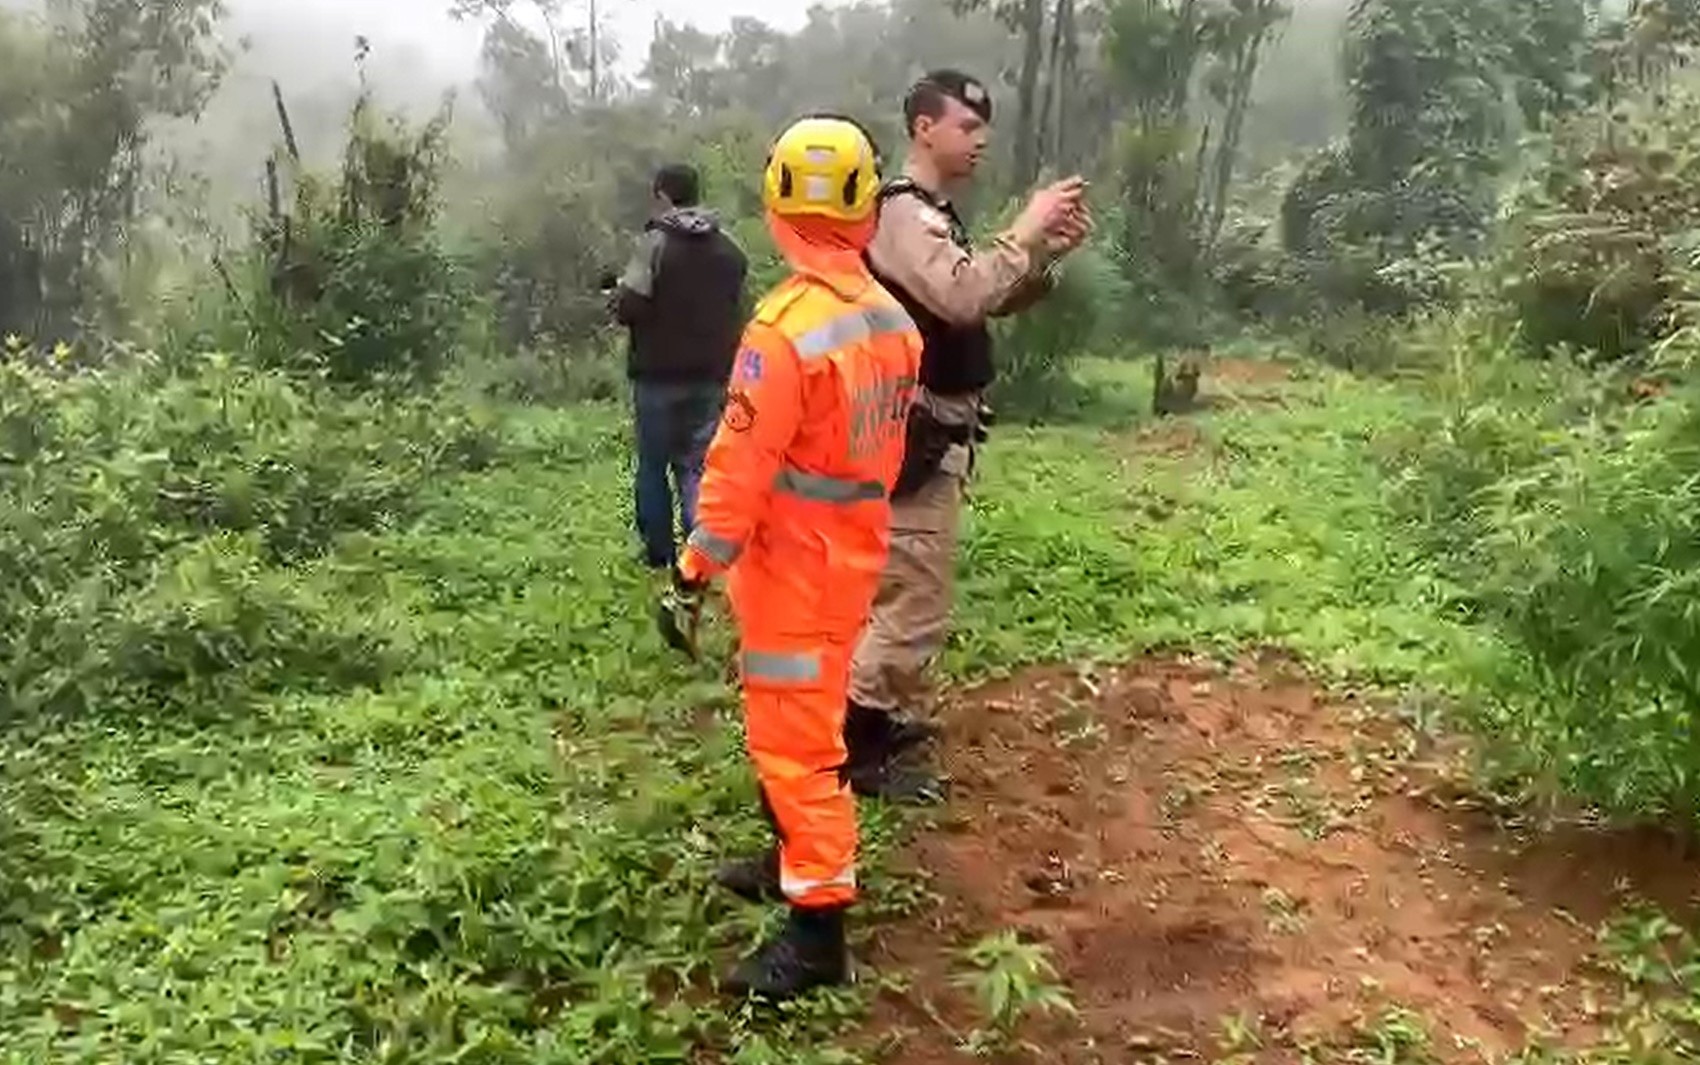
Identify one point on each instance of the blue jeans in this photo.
(675, 423)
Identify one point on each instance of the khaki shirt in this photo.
(912, 247)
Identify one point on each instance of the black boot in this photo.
(895, 781)
(908, 733)
(875, 741)
(809, 953)
(869, 732)
(753, 879)
(867, 745)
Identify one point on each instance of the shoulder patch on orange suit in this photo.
(778, 302)
(740, 415)
(750, 367)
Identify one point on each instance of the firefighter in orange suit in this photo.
(794, 504)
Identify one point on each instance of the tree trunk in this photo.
(1065, 80)
(595, 58)
(1033, 54)
(558, 58)
(288, 126)
(1183, 60)
(1233, 129)
(1233, 126)
(1053, 88)
(1194, 200)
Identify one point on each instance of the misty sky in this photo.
(451, 48)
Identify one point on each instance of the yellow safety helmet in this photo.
(823, 165)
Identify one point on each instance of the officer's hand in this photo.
(1049, 209)
(1070, 232)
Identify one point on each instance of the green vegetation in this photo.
(434, 787)
(1011, 980)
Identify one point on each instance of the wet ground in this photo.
(1226, 862)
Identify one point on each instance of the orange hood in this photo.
(823, 247)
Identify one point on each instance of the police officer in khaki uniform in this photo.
(921, 254)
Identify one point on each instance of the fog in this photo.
(300, 40)
(417, 53)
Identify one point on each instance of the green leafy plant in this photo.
(1039, 349)
(144, 512)
(348, 276)
(1571, 513)
(1658, 1016)
(1241, 1037)
(1398, 1036)
(1414, 182)
(1012, 981)
(1600, 251)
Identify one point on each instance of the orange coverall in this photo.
(794, 500)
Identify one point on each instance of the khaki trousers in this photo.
(911, 616)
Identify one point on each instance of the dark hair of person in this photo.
(929, 97)
(679, 184)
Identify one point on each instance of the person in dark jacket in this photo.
(682, 299)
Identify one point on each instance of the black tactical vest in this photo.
(955, 360)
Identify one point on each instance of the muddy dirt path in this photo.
(1199, 845)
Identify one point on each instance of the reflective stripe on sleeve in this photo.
(717, 548)
(820, 489)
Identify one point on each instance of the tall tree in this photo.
(1155, 49)
(1031, 25)
(685, 68)
(1052, 136)
(1438, 90)
(1026, 19)
(81, 87)
(575, 58)
(520, 84)
(1647, 43)
(1241, 34)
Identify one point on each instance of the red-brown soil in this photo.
(1246, 371)
(1196, 844)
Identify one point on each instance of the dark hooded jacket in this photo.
(682, 297)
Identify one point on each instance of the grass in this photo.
(1268, 528)
(502, 854)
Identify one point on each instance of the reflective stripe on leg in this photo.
(794, 703)
(819, 892)
(783, 668)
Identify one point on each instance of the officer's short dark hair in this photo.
(929, 97)
(679, 184)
